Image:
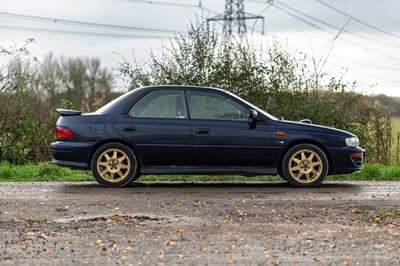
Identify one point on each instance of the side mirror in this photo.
(253, 115)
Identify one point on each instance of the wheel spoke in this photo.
(311, 157)
(296, 160)
(112, 176)
(121, 158)
(315, 164)
(308, 177)
(115, 155)
(120, 174)
(315, 172)
(107, 156)
(295, 168)
(105, 164)
(105, 171)
(299, 175)
(124, 166)
(303, 155)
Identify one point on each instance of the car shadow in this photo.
(168, 186)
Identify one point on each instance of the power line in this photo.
(200, 5)
(373, 13)
(336, 36)
(162, 3)
(358, 20)
(81, 23)
(366, 74)
(369, 65)
(14, 28)
(302, 19)
(337, 28)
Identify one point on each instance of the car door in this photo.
(221, 133)
(158, 127)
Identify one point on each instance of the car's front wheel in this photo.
(305, 165)
(114, 165)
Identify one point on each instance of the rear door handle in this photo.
(202, 131)
(129, 129)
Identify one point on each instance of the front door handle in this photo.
(202, 131)
(129, 129)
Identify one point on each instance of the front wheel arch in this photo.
(305, 166)
(319, 145)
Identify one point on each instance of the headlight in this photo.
(352, 142)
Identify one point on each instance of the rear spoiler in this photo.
(66, 112)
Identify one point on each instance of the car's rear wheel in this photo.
(305, 165)
(114, 165)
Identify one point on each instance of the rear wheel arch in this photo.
(114, 164)
(120, 141)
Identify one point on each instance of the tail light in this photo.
(63, 133)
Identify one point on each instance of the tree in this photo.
(82, 81)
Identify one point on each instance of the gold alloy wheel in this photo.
(305, 166)
(113, 165)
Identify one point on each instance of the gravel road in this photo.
(201, 223)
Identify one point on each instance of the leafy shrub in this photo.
(30, 92)
(26, 120)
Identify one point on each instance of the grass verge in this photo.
(51, 172)
(372, 172)
(40, 172)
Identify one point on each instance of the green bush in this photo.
(26, 119)
(31, 91)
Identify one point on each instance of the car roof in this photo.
(181, 87)
(121, 102)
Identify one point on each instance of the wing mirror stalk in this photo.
(253, 117)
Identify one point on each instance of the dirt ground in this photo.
(204, 223)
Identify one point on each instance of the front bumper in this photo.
(72, 154)
(346, 160)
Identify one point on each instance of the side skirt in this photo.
(209, 170)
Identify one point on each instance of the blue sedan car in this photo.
(198, 130)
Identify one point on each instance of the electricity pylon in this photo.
(234, 18)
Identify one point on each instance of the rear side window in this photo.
(161, 104)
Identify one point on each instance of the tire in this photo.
(114, 165)
(282, 176)
(305, 166)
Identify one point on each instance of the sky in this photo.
(358, 40)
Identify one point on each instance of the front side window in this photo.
(206, 105)
(161, 104)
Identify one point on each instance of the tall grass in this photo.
(396, 140)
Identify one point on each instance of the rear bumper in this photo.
(346, 160)
(72, 154)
